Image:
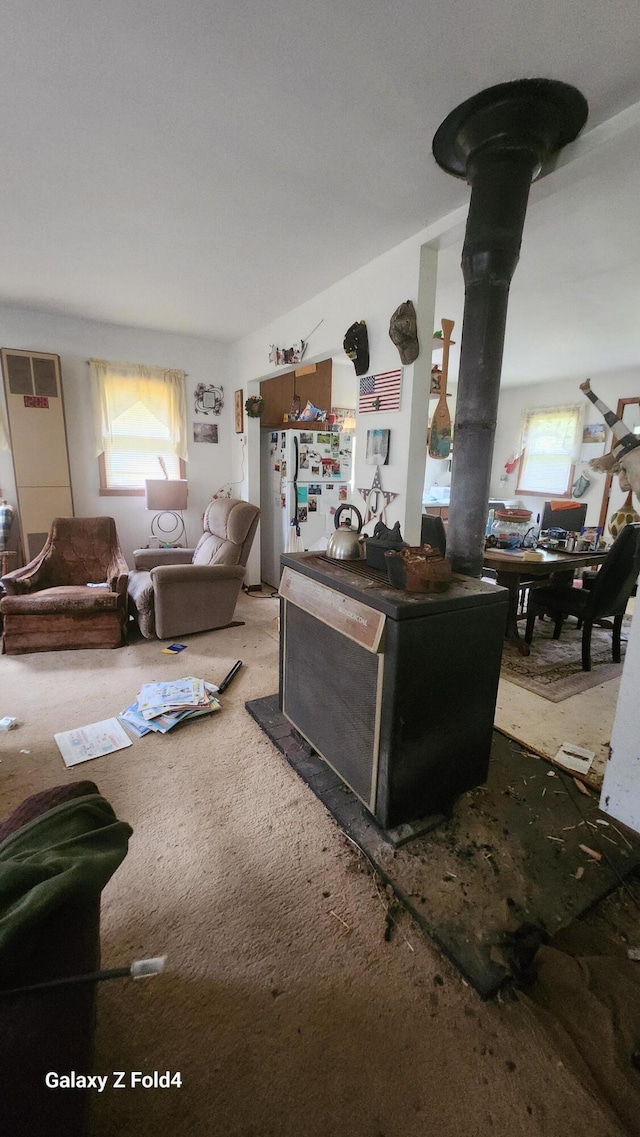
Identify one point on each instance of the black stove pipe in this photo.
(499, 140)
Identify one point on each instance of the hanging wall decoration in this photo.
(376, 499)
(356, 346)
(238, 412)
(208, 399)
(380, 392)
(625, 443)
(284, 355)
(439, 440)
(254, 406)
(378, 447)
(403, 331)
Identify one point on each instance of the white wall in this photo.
(558, 392)
(620, 791)
(75, 341)
(344, 382)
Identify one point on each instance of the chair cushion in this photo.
(226, 523)
(65, 598)
(571, 600)
(229, 518)
(78, 550)
(213, 550)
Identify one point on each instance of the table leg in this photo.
(511, 581)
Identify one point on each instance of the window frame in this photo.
(555, 494)
(108, 491)
(559, 495)
(105, 401)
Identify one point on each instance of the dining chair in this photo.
(607, 597)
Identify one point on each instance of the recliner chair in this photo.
(174, 592)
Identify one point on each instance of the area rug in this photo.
(553, 670)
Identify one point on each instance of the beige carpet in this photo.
(284, 1009)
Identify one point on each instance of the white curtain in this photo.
(550, 440)
(553, 429)
(119, 386)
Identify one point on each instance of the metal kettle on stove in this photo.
(345, 544)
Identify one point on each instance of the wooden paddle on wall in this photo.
(440, 432)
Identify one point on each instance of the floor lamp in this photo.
(168, 497)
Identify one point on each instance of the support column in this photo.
(419, 414)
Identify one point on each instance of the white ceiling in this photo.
(203, 166)
(574, 302)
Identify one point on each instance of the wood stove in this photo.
(395, 690)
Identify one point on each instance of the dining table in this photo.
(516, 568)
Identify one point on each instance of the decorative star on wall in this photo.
(376, 499)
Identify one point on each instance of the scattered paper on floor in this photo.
(575, 758)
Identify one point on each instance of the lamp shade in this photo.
(166, 493)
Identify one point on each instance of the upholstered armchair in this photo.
(72, 595)
(175, 592)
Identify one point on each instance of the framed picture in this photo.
(378, 447)
(208, 399)
(205, 432)
(239, 412)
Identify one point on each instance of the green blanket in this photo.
(66, 855)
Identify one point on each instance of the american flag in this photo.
(380, 392)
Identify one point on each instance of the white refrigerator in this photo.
(323, 461)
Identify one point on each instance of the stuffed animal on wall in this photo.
(624, 456)
(403, 331)
(356, 345)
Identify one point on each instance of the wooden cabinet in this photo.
(437, 511)
(313, 385)
(310, 384)
(278, 396)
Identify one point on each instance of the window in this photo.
(550, 441)
(140, 418)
